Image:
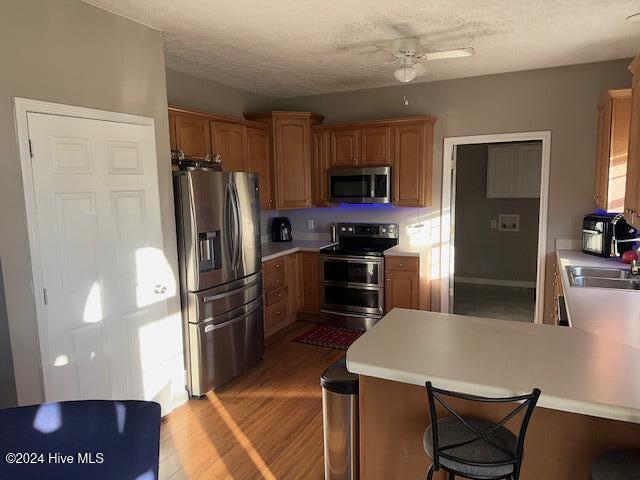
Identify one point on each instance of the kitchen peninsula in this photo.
(590, 398)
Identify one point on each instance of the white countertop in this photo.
(271, 250)
(402, 251)
(577, 371)
(613, 314)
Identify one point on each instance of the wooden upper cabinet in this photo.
(614, 113)
(172, 131)
(192, 135)
(292, 138)
(632, 191)
(228, 140)
(345, 147)
(412, 164)
(375, 146)
(259, 160)
(319, 165)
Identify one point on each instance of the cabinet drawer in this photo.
(275, 280)
(276, 314)
(274, 266)
(274, 296)
(407, 264)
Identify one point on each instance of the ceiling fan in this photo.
(408, 55)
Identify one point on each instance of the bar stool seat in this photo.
(616, 465)
(451, 431)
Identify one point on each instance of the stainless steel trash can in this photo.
(340, 422)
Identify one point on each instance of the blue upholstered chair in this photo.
(91, 439)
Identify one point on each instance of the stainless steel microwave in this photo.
(360, 185)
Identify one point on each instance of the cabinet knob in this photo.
(388, 279)
(270, 201)
(401, 264)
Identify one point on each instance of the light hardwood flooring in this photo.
(267, 424)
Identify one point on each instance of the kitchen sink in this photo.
(616, 278)
(621, 273)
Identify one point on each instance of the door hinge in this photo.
(45, 296)
(30, 148)
(451, 291)
(453, 164)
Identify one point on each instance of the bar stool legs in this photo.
(430, 473)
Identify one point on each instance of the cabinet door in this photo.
(320, 164)
(528, 170)
(401, 290)
(293, 162)
(375, 146)
(345, 147)
(501, 171)
(602, 155)
(618, 154)
(293, 276)
(412, 165)
(632, 196)
(192, 135)
(259, 160)
(229, 142)
(310, 282)
(172, 131)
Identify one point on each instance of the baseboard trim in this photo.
(495, 282)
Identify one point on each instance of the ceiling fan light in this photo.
(405, 74)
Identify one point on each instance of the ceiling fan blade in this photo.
(456, 53)
(375, 65)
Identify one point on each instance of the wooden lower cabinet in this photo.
(402, 283)
(311, 282)
(282, 292)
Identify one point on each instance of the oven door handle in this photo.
(349, 259)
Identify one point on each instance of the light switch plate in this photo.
(493, 224)
(310, 224)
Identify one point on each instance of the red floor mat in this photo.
(329, 337)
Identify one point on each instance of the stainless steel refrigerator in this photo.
(218, 227)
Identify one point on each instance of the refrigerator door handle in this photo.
(238, 233)
(229, 234)
(230, 293)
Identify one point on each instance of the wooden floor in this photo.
(267, 424)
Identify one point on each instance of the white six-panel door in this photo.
(106, 281)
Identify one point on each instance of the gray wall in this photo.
(483, 252)
(69, 52)
(201, 94)
(562, 100)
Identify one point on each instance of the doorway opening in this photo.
(495, 203)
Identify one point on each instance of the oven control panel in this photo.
(368, 230)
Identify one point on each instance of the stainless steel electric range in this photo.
(352, 274)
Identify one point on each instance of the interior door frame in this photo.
(447, 212)
(22, 107)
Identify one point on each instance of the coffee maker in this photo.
(281, 229)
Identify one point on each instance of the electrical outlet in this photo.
(310, 224)
(493, 224)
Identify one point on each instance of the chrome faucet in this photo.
(614, 241)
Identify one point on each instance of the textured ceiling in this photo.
(285, 48)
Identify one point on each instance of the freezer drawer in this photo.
(211, 304)
(220, 351)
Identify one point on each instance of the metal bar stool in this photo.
(473, 448)
(616, 465)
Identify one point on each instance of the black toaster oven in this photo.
(598, 233)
